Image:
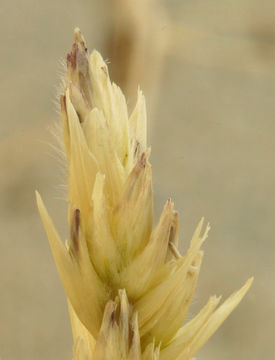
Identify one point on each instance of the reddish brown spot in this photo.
(72, 56)
(75, 230)
(131, 335)
(77, 218)
(83, 45)
(142, 160)
(104, 69)
(113, 317)
(63, 103)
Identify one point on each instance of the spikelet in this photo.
(128, 287)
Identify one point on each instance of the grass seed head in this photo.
(128, 287)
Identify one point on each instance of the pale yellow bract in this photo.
(128, 287)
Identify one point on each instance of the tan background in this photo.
(212, 136)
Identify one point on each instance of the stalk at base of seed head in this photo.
(128, 286)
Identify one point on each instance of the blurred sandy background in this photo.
(209, 77)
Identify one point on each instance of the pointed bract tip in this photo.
(96, 56)
(239, 294)
(122, 293)
(98, 63)
(79, 49)
(38, 199)
(77, 32)
(78, 38)
(244, 289)
(249, 282)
